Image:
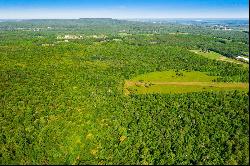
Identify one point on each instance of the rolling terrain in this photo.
(104, 91)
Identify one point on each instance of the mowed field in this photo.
(171, 81)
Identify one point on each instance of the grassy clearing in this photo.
(178, 33)
(217, 56)
(175, 76)
(177, 89)
(169, 82)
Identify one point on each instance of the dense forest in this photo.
(62, 97)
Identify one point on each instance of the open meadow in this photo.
(170, 82)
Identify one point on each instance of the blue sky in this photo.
(124, 8)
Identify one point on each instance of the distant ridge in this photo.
(95, 18)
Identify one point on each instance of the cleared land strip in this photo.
(219, 57)
(220, 85)
(214, 84)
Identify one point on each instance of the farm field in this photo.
(138, 98)
(171, 82)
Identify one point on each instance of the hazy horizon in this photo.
(123, 9)
(123, 18)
